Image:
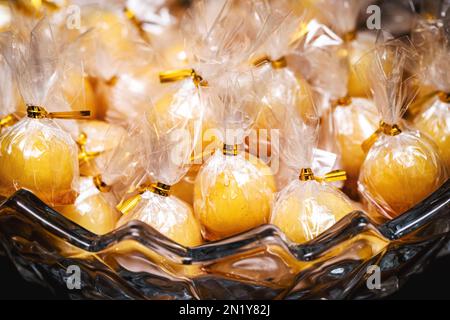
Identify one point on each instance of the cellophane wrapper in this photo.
(8, 91)
(92, 209)
(401, 169)
(30, 148)
(233, 191)
(433, 40)
(170, 138)
(304, 209)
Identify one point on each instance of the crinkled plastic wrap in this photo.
(233, 190)
(96, 141)
(9, 99)
(353, 124)
(281, 33)
(169, 142)
(92, 209)
(31, 148)
(342, 17)
(434, 115)
(122, 85)
(308, 205)
(402, 166)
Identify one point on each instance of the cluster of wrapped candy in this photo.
(147, 110)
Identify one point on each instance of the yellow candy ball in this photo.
(91, 210)
(169, 215)
(39, 156)
(435, 122)
(184, 190)
(357, 49)
(353, 124)
(232, 194)
(306, 209)
(400, 171)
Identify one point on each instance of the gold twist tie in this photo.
(84, 155)
(37, 112)
(387, 129)
(177, 75)
(230, 149)
(129, 204)
(7, 121)
(306, 174)
(100, 185)
(444, 96)
(349, 36)
(276, 64)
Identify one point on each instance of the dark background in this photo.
(433, 283)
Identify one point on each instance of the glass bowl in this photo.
(358, 258)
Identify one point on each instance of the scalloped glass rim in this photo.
(435, 206)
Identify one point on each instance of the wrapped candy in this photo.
(30, 148)
(309, 205)
(434, 113)
(281, 86)
(402, 166)
(91, 209)
(95, 141)
(122, 86)
(233, 190)
(169, 143)
(342, 17)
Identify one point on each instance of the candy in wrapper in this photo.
(91, 209)
(310, 204)
(169, 144)
(342, 17)
(96, 141)
(402, 166)
(280, 85)
(434, 113)
(36, 154)
(233, 190)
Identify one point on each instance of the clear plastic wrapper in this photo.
(9, 98)
(31, 148)
(281, 31)
(432, 37)
(342, 17)
(309, 204)
(169, 142)
(402, 166)
(92, 209)
(233, 190)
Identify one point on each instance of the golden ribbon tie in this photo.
(306, 174)
(177, 75)
(100, 185)
(84, 155)
(384, 128)
(276, 64)
(37, 112)
(230, 149)
(130, 203)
